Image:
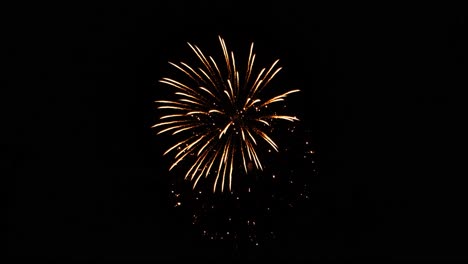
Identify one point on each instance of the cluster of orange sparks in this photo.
(220, 117)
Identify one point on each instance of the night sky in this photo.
(381, 100)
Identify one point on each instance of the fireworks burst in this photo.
(221, 116)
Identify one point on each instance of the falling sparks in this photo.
(259, 212)
(221, 116)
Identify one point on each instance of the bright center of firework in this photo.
(221, 117)
(238, 118)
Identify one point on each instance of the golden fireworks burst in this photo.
(220, 116)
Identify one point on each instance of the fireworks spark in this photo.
(221, 116)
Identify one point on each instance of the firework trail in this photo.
(221, 116)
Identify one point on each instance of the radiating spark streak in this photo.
(242, 133)
(279, 97)
(288, 118)
(194, 72)
(176, 84)
(271, 68)
(231, 169)
(187, 150)
(205, 61)
(237, 84)
(175, 146)
(215, 111)
(263, 121)
(185, 128)
(191, 102)
(188, 95)
(258, 84)
(196, 181)
(256, 159)
(248, 147)
(196, 166)
(219, 116)
(168, 123)
(253, 155)
(268, 80)
(267, 138)
(226, 56)
(200, 56)
(220, 77)
(172, 128)
(208, 141)
(230, 88)
(225, 161)
(184, 71)
(249, 64)
(252, 103)
(164, 102)
(171, 116)
(208, 91)
(221, 162)
(210, 163)
(271, 77)
(246, 102)
(188, 147)
(208, 77)
(234, 71)
(171, 107)
(225, 129)
(224, 175)
(170, 102)
(255, 84)
(197, 112)
(243, 158)
(272, 101)
(178, 160)
(228, 95)
(251, 136)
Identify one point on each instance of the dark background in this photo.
(381, 92)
